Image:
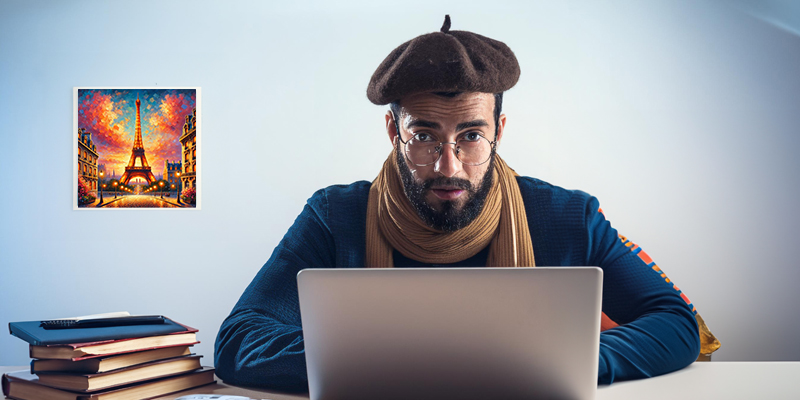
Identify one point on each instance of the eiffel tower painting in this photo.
(136, 147)
(137, 166)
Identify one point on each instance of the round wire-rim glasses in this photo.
(471, 148)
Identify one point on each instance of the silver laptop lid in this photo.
(451, 333)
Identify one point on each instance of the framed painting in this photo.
(136, 147)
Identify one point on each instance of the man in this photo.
(445, 198)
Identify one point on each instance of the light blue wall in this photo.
(681, 116)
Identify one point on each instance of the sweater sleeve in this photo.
(261, 342)
(654, 329)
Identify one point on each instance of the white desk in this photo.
(701, 381)
(714, 380)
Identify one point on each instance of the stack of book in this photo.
(100, 359)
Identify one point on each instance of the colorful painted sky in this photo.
(110, 115)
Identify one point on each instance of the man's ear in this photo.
(391, 128)
(501, 125)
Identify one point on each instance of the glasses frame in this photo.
(492, 143)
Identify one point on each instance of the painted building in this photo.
(189, 150)
(172, 172)
(87, 159)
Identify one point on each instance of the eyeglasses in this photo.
(471, 148)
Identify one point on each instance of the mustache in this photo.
(444, 181)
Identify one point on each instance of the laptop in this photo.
(451, 333)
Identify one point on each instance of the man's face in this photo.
(447, 194)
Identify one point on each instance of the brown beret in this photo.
(445, 61)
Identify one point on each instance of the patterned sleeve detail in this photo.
(635, 249)
(708, 342)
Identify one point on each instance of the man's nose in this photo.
(448, 164)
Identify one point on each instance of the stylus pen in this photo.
(103, 322)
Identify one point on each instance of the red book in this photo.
(82, 351)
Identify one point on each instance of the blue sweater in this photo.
(261, 341)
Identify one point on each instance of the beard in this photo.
(449, 218)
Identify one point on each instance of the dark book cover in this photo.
(33, 333)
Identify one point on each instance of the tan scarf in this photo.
(393, 223)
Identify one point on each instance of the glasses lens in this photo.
(423, 149)
(474, 150)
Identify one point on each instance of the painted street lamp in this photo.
(162, 188)
(178, 186)
(102, 185)
(115, 189)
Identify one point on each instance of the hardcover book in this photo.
(122, 376)
(35, 333)
(23, 385)
(81, 351)
(110, 363)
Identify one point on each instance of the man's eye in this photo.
(424, 137)
(471, 136)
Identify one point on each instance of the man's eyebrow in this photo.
(422, 124)
(471, 124)
(434, 125)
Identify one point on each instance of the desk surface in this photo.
(707, 380)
